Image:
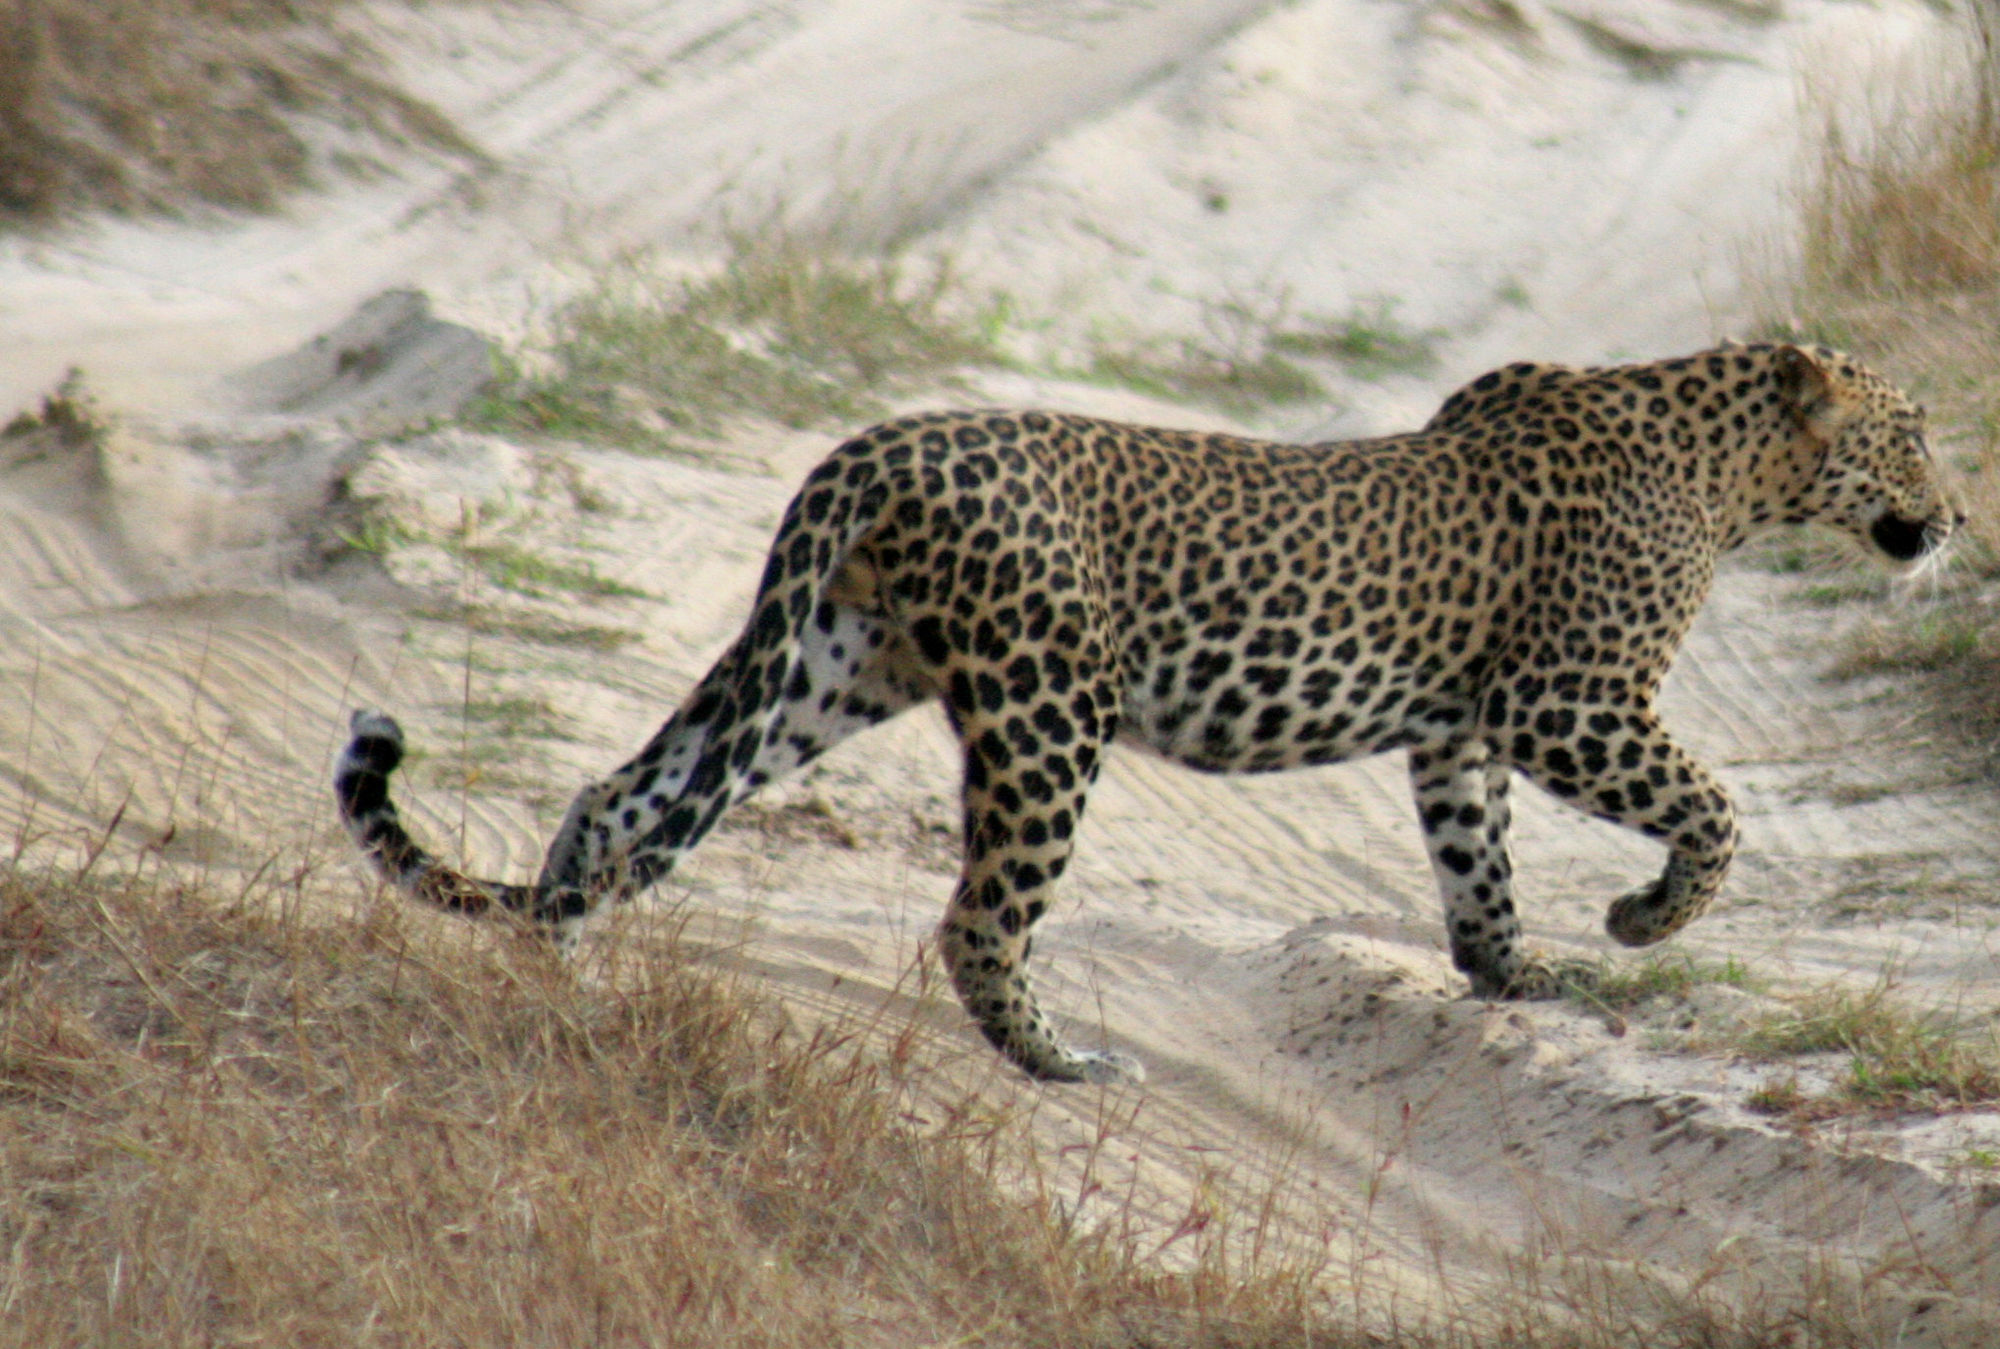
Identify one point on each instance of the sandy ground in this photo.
(183, 657)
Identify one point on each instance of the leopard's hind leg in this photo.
(755, 718)
(1033, 733)
(758, 714)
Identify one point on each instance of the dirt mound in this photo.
(390, 365)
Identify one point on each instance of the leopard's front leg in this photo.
(1619, 764)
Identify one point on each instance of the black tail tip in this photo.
(377, 740)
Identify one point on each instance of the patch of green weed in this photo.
(512, 567)
(1234, 365)
(1778, 1096)
(1620, 987)
(1939, 638)
(369, 526)
(785, 330)
(1898, 1059)
(1255, 355)
(1806, 553)
(375, 533)
(1370, 342)
(557, 475)
(1194, 372)
(1832, 594)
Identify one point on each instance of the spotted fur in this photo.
(1499, 592)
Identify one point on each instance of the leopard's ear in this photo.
(1813, 391)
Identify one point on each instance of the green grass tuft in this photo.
(1622, 986)
(1898, 1060)
(1196, 373)
(1254, 356)
(1371, 343)
(784, 330)
(512, 567)
(1940, 638)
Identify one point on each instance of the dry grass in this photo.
(231, 1124)
(146, 106)
(1900, 244)
(1901, 265)
(1911, 201)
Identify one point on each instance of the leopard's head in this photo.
(1865, 457)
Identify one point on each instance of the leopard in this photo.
(1500, 592)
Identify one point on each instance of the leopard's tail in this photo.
(628, 830)
(361, 785)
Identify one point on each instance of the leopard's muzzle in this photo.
(1906, 540)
